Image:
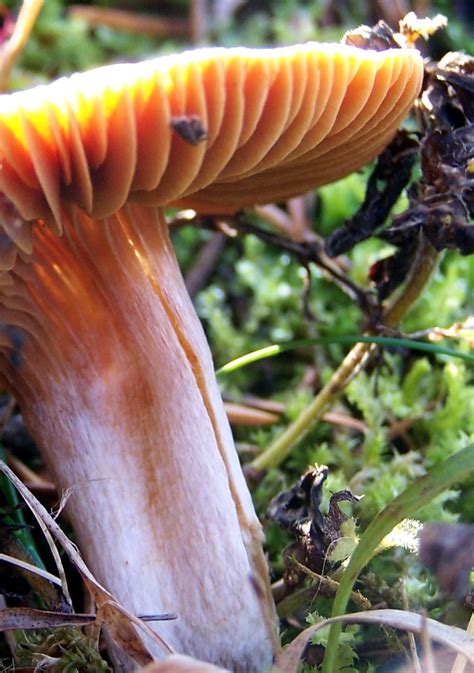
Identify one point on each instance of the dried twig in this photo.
(293, 224)
(305, 252)
(205, 263)
(198, 21)
(12, 49)
(273, 406)
(336, 418)
(460, 662)
(239, 414)
(131, 22)
(329, 587)
(222, 10)
(29, 476)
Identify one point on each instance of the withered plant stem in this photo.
(323, 586)
(130, 21)
(460, 662)
(12, 49)
(423, 266)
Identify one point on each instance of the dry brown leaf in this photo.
(29, 618)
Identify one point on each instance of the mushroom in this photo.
(101, 344)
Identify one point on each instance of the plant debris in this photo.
(297, 510)
(390, 176)
(448, 551)
(29, 618)
(189, 128)
(441, 203)
(59, 650)
(379, 37)
(412, 27)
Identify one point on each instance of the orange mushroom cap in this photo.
(277, 121)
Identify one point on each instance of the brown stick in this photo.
(27, 475)
(239, 414)
(12, 49)
(198, 21)
(205, 263)
(130, 22)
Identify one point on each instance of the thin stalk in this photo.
(11, 50)
(422, 269)
(460, 663)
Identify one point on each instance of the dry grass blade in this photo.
(240, 414)
(29, 618)
(198, 21)
(45, 530)
(31, 568)
(452, 637)
(118, 620)
(12, 49)
(427, 645)
(130, 22)
(205, 263)
(459, 665)
(31, 478)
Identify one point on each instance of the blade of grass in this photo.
(441, 477)
(44, 574)
(12, 49)
(276, 349)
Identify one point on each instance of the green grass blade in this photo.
(276, 349)
(419, 493)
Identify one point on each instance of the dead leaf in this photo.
(29, 618)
